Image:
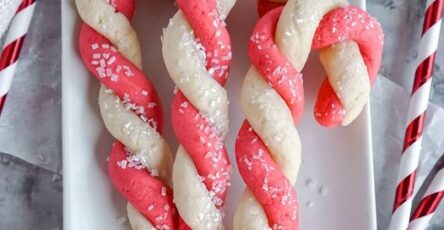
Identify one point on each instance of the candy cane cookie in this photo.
(197, 54)
(140, 162)
(351, 58)
(268, 147)
(350, 45)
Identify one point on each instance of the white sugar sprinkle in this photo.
(310, 203)
(310, 183)
(163, 191)
(109, 72)
(114, 77)
(111, 60)
(323, 191)
(184, 104)
(118, 68)
(154, 173)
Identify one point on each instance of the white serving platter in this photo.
(335, 185)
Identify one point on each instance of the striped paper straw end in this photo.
(429, 203)
(13, 45)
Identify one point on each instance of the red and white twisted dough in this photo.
(140, 161)
(197, 53)
(357, 38)
(268, 150)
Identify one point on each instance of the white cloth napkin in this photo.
(7, 11)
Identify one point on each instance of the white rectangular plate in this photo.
(339, 160)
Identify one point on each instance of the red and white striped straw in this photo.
(415, 120)
(429, 203)
(13, 45)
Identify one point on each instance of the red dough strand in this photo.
(146, 193)
(263, 6)
(202, 141)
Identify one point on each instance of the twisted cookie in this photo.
(350, 43)
(197, 53)
(268, 146)
(140, 161)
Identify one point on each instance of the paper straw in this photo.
(429, 203)
(13, 45)
(415, 120)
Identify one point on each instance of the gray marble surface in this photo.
(30, 135)
(30, 196)
(402, 23)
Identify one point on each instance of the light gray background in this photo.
(30, 134)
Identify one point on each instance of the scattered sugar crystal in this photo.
(323, 191)
(310, 183)
(310, 203)
(118, 68)
(111, 60)
(163, 191)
